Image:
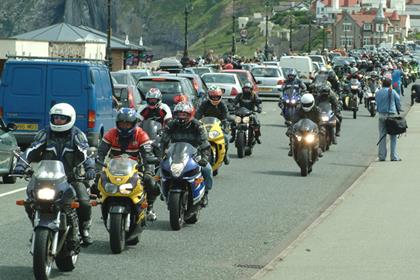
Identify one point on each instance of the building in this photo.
(412, 9)
(373, 27)
(65, 40)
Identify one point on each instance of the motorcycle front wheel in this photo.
(304, 162)
(176, 210)
(117, 232)
(240, 144)
(42, 258)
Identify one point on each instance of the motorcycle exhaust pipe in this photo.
(55, 239)
(127, 223)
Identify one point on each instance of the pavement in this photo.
(371, 232)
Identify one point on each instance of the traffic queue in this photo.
(170, 137)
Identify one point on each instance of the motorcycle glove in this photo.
(90, 174)
(19, 169)
(202, 162)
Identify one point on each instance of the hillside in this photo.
(159, 22)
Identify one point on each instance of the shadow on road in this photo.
(279, 173)
(273, 125)
(160, 225)
(16, 272)
(350, 165)
(99, 247)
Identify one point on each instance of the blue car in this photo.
(29, 88)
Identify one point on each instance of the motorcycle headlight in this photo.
(238, 119)
(310, 138)
(126, 188)
(245, 119)
(354, 87)
(177, 168)
(293, 101)
(213, 134)
(110, 188)
(325, 118)
(287, 101)
(45, 194)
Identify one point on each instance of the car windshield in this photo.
(121, 166)
(316, 58)
(221, 79)
(201, 71)
(243, 77)
(265, 72)
(165, 86)
(50, 170)
(121, 78)
(138, 75)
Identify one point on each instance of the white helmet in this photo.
(67, 112)
(307, 102)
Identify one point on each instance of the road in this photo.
(259, 204)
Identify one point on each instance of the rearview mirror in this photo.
(259, 82)
(92, 152)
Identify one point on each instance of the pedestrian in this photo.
(396, 78)
(388, 104)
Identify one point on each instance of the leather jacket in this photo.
(298, 82)
(250, 101)
(207, 109)
(69, 147)
(314, 115)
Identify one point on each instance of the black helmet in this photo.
(126, 122)
(325, 90)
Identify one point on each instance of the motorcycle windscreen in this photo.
(121, 166)
(325, 107)
(50, 170)
(210, 120)
(305, 125)
(180, 151)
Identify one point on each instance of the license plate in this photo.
(27, 126)
(265, 89)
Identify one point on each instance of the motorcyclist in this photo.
(250, 100)
(326, 94)
(154, 107)
(307, 110)
(128, 138)
(215, 107)
(293, 81)
(65, 142)
(185, 128)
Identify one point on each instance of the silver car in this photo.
(228, 82)
(8, 144)
(269, 79)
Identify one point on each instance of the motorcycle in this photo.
(182, 184)
(53, 201)
(350, 97)
(328, 123)
(244, 140)
(290, 100)
(217, 142)
(370, 101)
(123, 202)
(304, 142)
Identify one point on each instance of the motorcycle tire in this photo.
(117, 232)
(372, 110)
(240, 144)
(354, 114)
(215, 172)
(248, 151)
(42, 259)
(66, 262)
(176, 212)
(304, 162)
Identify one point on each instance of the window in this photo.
(367, 27)
(380, 27)
(366, 41)
(346, 27)
(347, 41)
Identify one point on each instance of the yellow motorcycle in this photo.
(217, 142)
(123, 202)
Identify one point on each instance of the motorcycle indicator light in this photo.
(46, 194)
(20, 202)
(310, 138)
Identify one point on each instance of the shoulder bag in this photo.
(395, 125)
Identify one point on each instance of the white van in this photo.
(303, 64)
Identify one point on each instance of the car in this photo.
(197, 82)
(171, 65)
(229, 83)
(127, 96)
(199, 70)
(245, 76)
(270, 80)
(174, 89)
(124, 78)
(137, 73)
(8, 145)
(249, 66)
(318, 58)
(31, 86)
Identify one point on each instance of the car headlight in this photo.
(310, 138)
(126, 188)
(177, 168)
(46, 194)
(110, 188)
(325, 118)
(245, 119)
(238, 119)
(214, 134)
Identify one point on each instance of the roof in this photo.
(64, 32)
(413, 2)
(361, 18)
(342, 3)
(394, 16)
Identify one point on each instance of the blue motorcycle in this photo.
(290, 101)
(182, 184)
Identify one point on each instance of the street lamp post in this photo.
(108, 57)
(233, 28)
(309, 36)
(185, 59)
(290, 32)
(266, 30)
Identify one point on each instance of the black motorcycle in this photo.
(245, 138)
(304, 142)
(328, 123)
(351, 95)
(53, 201)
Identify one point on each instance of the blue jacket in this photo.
(386, 101)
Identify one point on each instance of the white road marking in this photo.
(11, 192)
